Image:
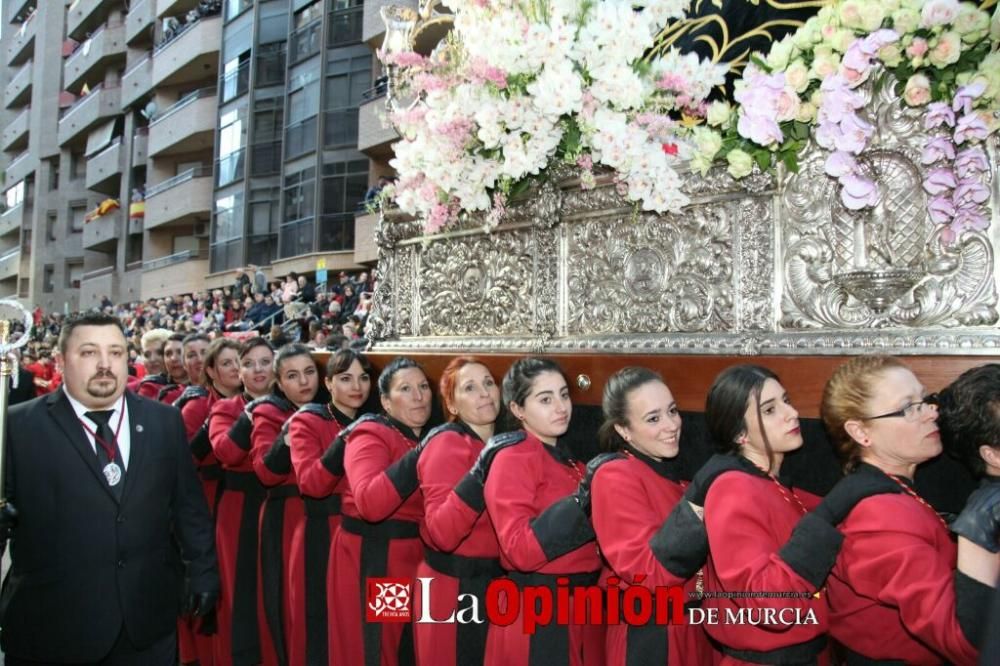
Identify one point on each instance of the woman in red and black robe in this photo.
(632, 493)
(296, 382)
(379, 534)
(543, 531)
(220, 379)
(902, 590)
(310, 433)
(461, 551)
(238, 641)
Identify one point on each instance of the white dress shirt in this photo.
(120, 413)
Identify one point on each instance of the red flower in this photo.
(670, 148)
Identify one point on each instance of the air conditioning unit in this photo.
(201, 230)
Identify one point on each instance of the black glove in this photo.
(333, 457)
(201, 446)
(681, 544)
(240, 432)
(562, 528)
(582, 494)
(209, 624)
(278, 458)
(403, 472)
(716, 465)
(470, 488)
(200, 604)
(8, 520)
(979, 521)
(497, 443)
(864, 482)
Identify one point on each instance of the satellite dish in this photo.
(149, 111)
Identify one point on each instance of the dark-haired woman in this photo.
(631, 498)
(382, 505)
(220, 379)
(530, 483)
(462, 554)
(901, 591)
(761, 534)
(238, 640)
(310, 432)
(296, 380)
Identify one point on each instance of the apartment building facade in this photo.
(228, 132)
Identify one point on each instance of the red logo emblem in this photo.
(388, 599)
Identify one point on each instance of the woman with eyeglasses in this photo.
(902, 590)
(238, 639)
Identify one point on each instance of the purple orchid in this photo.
(970, 162)
(939, 113)
(840, 163)
(939, 181)
(938, 148)
(970, 126)
(858, 192)
(941, 209)
(854, 134)
(965, 95)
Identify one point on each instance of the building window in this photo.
(77, 217)
(262, 240)
(346, 17)
(232, 141)
(299, 197)
(74, 272)
(270, 65)
(304, 41)
(233, 8)
(346, 82)
(15, 196)
(77, 165)
(235, 77)
(48, 278)
(50, 225)
(54, 176)
(227, 232)
(300, 134)
(344, 185)
(268, 121)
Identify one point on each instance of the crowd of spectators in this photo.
(329, 316)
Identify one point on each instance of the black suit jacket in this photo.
(84, 565)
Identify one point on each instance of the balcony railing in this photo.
(171, 259)
(94, 43)
(182, 177)
(345, 26)
(230, 168)
(92, 95)
(96, 273)
(20, 83)
(170, 35)
(235, 83)
(184, 101)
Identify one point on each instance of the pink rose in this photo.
(917, 48)
(917, 91)
(760, 129)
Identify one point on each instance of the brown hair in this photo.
(449, 378)
(846, 397)
(212, 356)
(614, 403)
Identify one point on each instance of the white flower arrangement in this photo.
(520, 86)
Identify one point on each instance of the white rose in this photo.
(938, 12)
(807, 112)
(777, 59)
(841, 40)
(797, 76)
(891, 55)
(905, 20)
(740, 163)
(707, 142)
(788, 105)
(719, 114)
(971, 23)
(947, 51)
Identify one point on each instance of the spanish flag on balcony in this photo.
(137, 210)
(103, 208)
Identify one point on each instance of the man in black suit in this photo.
(104, 485)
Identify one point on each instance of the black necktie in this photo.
(102, 418)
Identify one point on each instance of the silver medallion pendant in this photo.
(113, 473)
